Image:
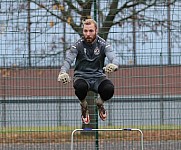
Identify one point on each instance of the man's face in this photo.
(89, 32)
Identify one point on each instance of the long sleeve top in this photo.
(89, 58)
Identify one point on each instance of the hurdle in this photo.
(124, 129)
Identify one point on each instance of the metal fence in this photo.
(37, 112)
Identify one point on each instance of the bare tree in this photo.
(115, 13)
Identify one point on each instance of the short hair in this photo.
(90, 21)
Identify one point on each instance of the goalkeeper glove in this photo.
(110, 68)
(64, 77)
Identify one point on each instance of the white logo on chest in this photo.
(96, 51)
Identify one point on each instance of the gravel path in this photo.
(150, 145)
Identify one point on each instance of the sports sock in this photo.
(99, 101)
(83, 103)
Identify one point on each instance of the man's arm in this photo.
(110, 54)
(71, 54)
(70, 57)
(112, 58)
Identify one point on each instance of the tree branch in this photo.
(108, 22)
(63, 18)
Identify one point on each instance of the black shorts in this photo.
(93, 83)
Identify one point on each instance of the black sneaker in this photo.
(102, 112)
(85, 115)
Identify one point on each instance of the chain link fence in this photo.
(37, 112)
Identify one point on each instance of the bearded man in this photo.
(89, 53)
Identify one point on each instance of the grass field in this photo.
(63, 134)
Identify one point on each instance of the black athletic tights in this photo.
(105, 89)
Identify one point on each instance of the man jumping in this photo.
(89, 54)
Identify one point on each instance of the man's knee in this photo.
(106, 90)
(81, 89)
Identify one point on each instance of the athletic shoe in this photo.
(102, 112)
(85, 115)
